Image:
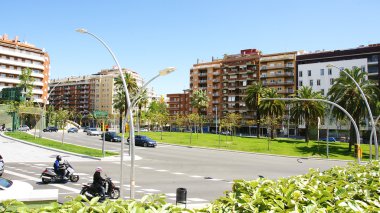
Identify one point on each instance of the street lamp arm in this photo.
(368, 108)
(326, 101)
(141, 90)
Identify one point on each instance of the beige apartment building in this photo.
(89, 93)
(15, 56)
(277, 71)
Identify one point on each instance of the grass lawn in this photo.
(278, 146)
(58, 145)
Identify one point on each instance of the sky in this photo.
(150, 35)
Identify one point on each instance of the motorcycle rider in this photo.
(1, 165)
(59, 167)
(99, 183)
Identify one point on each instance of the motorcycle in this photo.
(48, 175)
(111, 190)
(1, 167)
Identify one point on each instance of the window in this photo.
(363, 68)
(300, 73)
(309, 73)
(323, 91)
(322, 71)
(318, 82)
(300, 84)
(311, 82)
(330, 71)
(331, 81)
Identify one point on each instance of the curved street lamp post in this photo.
(128, 116)
(329, 102)
(368, 108)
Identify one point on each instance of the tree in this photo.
(200, 100)
(272, 110)
(132, 89)
(234, 120)
(307, 111)
(62, 117)
(142, 102)
(26, 83)
(119, 104)
(252, 100)
(345, 93)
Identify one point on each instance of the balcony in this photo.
(272, 67)
(216, 73)
(23, 54)
(289, 91)
(22, 64)
(278, 83)
(215, 94)
(286, 74)
(277, 58)
(203, 74)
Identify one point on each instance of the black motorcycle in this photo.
(48, 175)
(111, 190)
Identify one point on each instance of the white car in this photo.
(23, 191)
(93, 131)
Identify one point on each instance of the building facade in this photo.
(179, 103)
(89, 93)
(16, 56)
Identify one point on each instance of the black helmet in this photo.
(59, 157)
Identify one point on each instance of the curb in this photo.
(49, 148)
(256, 153)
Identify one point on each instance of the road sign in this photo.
(100, 114)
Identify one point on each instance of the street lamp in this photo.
(129, 111)
(368, 108)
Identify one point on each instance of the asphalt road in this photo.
(205, 173)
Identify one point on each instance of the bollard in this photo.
(181, 196)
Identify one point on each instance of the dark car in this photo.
(51, 129)
(72, 130)
(331, 139)
(145, 141)
(111, 136)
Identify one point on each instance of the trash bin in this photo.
(356, 151)
(181, 196)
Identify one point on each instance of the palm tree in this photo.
(119, 104)
(272, 110)
(252, 100)
(345, 93)
(307, 111)
(200, 100)
(142, 102)
(132, 89)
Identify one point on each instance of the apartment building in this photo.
(88, 93)
(313, 70)
(179, 103)
(208, 77)
(277, 71)
(15, 56)
(239, 71)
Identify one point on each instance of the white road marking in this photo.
(170, 194)
(196, 199)
(150, 190)
(214, 179)
(139, 191)
(127, 185)
(81, 174)
(178, 173)
(145, 167)
(39, 180)
(196, 176)
(40, 164)
(161, 170)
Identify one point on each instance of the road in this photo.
(205, 173)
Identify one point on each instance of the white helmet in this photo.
(98, 169)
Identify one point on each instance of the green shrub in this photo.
(354, 188)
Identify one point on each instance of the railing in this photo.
(279, 83)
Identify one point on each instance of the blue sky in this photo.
(149, 35)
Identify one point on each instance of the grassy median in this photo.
(278, 146)
(58, 145)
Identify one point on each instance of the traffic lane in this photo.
(231, 165)
(82, 139)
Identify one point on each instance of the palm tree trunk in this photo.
(352, 140)
(307, 132)
(120, 121)
(258, 122)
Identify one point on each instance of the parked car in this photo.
(145, 141)
(143, 130)
(50, 129)
(331, 139)
(111, 136)
(72, 130)
(86, 128)
(93, 131)
(225, 133)
(24, 128)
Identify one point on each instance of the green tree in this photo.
(26, 83)
(119, 104)
(234, 120)
(345, 93)
(272, 110)
(141, 103)
(199, 100)
(252, 100)
(307, 111)
(62, 117)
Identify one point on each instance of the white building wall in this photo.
(325, 79)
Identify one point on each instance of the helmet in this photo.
(98, 169)
(59, 157)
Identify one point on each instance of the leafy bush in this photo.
(354, 188)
